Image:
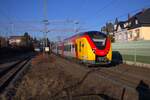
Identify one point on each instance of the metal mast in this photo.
(45, 21)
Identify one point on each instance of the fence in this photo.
(135, 51)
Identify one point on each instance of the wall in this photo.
(136, 51)
(145, 33)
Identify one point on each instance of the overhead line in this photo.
(106, 6)
(126, 14)
(5, 15)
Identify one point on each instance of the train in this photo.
(90, 47)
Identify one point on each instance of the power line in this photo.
(5, 15)
(126, 14)
(9, 21)
(106, 6)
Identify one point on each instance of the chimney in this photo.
(129, 16)
(143, 10)
(116, 21)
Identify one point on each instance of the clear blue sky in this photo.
(92, 14)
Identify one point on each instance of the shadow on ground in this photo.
(12, 54)
(143, 90)
(116, 58)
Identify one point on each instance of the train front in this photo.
(101, 47)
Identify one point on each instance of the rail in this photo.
(128, 82)
(9, 75)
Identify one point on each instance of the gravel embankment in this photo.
(54, 78)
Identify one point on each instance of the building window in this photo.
(130, 35)
(137, 34)
(136, 21)
(129, 24)
(125, 25)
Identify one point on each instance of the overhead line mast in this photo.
(46, 22)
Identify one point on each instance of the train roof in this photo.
(83, 33)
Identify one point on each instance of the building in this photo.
(3, 42)
(120, 31)
(109, 30)
(16, 41)
(135, 28)
(19, 41)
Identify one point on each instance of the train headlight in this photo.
(93, 50)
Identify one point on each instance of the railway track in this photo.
(137, 85)
(123, 77)
(10, 74)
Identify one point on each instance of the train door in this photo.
(73, 52)
(83, 50)
(78, 48)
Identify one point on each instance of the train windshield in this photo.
(98, 38)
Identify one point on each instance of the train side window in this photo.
(72, 45)
(80, 46)
(64, 48)
(76, 47)
(69, 47)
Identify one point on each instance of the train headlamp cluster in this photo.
(94, 49)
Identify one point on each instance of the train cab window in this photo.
(97, 35)
(99, 39)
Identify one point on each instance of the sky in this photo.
(19, 16)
